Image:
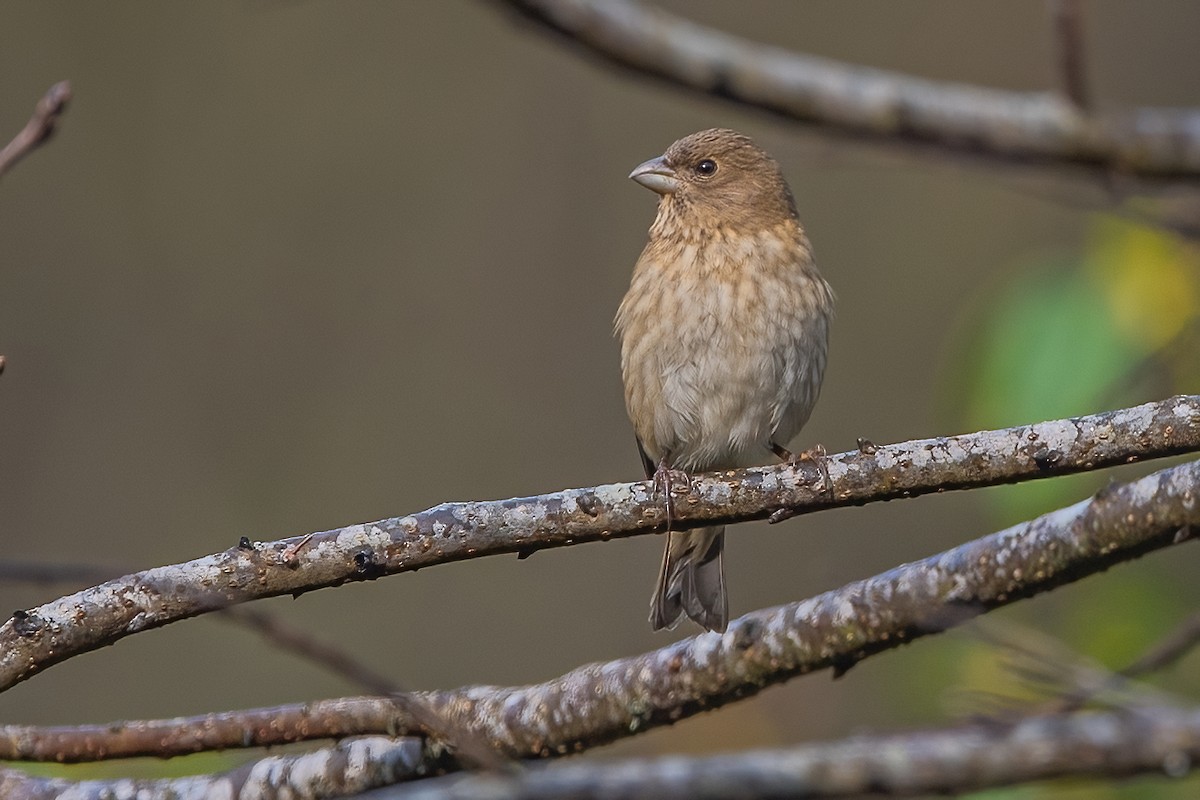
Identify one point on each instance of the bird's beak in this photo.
(656, 176)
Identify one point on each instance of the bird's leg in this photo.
(661, 476)
(664, 482)
(816, 454)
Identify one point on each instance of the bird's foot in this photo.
(664, 480)
(815, 455)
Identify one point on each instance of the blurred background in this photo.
(289, 266)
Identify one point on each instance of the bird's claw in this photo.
(815, 455)
(663, 481)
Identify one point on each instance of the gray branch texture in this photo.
(39, 128)
(1042, 127)
(601, 702)
(40, 637)
(923, 763)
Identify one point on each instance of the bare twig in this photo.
(40, 637)
(1068, 30)
(278, 633)
(1037, 127)
(293, 640)
(469, 747)
(602, 702)
(300, 643)
(44, 573)
(1062, 679)
(40, 126)
(1173, 647)
(1161, 655)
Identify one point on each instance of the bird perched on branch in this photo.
(724, 332)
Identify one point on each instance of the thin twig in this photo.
(468, 746)
(1174, 646)
(1166, 652)
(283, 636)
(293, 640)
(1052, 669)
(40, 126)
(268, 626)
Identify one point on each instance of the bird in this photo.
(724, 334)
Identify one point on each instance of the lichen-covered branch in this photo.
(343, 770)
(600, 703)
(34, 639)
(950, 761)
(1039, 127)
(39, 128)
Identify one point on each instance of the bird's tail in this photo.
(692, 581)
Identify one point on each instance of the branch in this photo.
(284, 636)
(1039, 127)
(1087, 682)
(342, 770)
(1175, 646)
(600, 703)
(39, 128)
(937, 762)
(41, 637)
(1045, 667)
(272, 629)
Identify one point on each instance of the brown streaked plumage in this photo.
(724, 332)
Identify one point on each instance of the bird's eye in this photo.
(706, 167)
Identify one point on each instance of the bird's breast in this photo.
(723, 345)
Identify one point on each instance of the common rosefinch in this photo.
(723, 334)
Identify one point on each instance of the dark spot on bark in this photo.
(746, 634)
(842, 664)
(1045, 458)
(589, 505)
(26, 624)
(365, 565)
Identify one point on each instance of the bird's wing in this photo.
(647, 462)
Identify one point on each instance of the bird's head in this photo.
(718, 178)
